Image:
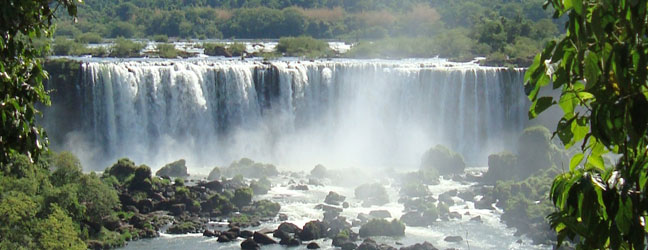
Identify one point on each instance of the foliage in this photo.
(242, 197)
(61, 232)
(600, 69)
(261, 187)
(250, 169)
(166, 50)
(125, 48)
(90, 37)
(372, 194)
(382, 227)
(21, 74)
(443, 160)
(304, 46)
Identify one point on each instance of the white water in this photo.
(346, 113)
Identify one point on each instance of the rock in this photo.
(263, 239)
(380, 214)
(372, 194)
(283, 217)
(368, 244)
(414, 219)
(289, 228)
(425, 246)
(209, 233)
(484, 203)
(299, 187)
(501, 166)
(349, 245)
(145, 206)
(319, 171)
(454, 215)
(232, 234)
(446, 198)
(261, 187)
(281, 235)
(185, 227)
(266, 231)
(466, 195)
(327, 208)
(290, 242)
(363, 217)
(453, 239)
(213, 185)
(313, 230)
(443, 160)
(535, 151)
(312, 245)
(381, 227)
(477, 219)
(246, 234)
(414, 189)
(174, 169)
(178, 209)
(214, 174)
(338, 225)
(242, 197)
(314, 182)
(334, 198)
(345, 204)
(250, 169)
(250, 244)
(330, 215)
(519, 241)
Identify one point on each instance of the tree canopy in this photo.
(600, 68)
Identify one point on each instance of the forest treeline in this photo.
(460, 29)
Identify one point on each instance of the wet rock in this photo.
(145, 206)
(334, 198)
(416, 219)
(454, 215)
(477, 219)
(330, 215)
(300, 187)
(381, 227)
(263, 239)
(312, 245)
(283, 217)
(453, 239)
(246, 234)
(174, 169)
(349, 245)
(443, 160)
(314, 182)
(290, 242)
(178, 209)
(466, 195)
(214, 174)
(213, 185)
(230, 234)
(380, 214)
(418, 246)
(289, 227)
(209, 233)
(281, 235)
(223, 238)
(372, 194)
(484, 203)
(345, 204)
(319, 171)
(313, 230)
(250, 244)
(446, 198)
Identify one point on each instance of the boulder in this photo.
(501, 166)
(214, 174)
(312, 245)
(313, 230)
(380, 214)
(381, 227)
(319, 171)
(484, 203)
(372, 194)
(250, 169)
(246, 234)
(213, 185)
(174, 169)
(415, 219)
(453, 239)
(334, 198)
(281, 235)
(261, 187)
(349, 245)
(223, 238)
(418, 246)
(299, 187)
(443, 160)
(289, 228)
(283, 217)
(263, 239)
(290, 242)
(250, 244)
(209, 233)
(178, 209)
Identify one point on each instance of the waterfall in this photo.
(356, 113)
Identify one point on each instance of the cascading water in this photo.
(292, 113)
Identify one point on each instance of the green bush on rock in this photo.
(443, 160)
(250, 169)
(372, 194)
(242, 197)
(382, 227)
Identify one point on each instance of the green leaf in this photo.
(576, 5)
(596, 162)
(540, 105)
(575, 160)
(623, 217)
(567, 102)
(592, 70)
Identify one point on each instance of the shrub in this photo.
(304, 46)
(91, 37)
(166, 50)
(161, 38)
(237, 49)
(125, 48)
(443, 160)
(216, 49)
(242, 197)
(372, 194)
(67, 47)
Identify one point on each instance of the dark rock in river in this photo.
(349, 245)
(484, 203)
(289, 228)
(312, 245)
(283, 217)
(334, 198)
(319, 171)
(290, 242)
(209, 233)
(214, 185)
(418, 246)
(501, 166)
(263, 239)
(313, 230)
(214, 174)
(250, 244)
(382, 227)
(246, 234)
(299, 187)
(174, 169)
(281, 235)
(453, 239)
(380, 214)
(369, 244)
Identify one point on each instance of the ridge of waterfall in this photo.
(294, 113)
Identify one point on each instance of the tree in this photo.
(600, 68)
(21, 74)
